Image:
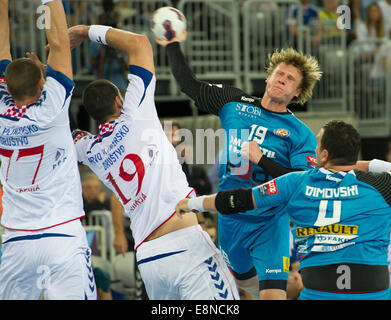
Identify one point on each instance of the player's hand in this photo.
(34, 57)
(180, 38)
(120, 243)
(252, 151)
(77, 35)
(182, 207)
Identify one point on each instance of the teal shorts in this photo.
(252, 246)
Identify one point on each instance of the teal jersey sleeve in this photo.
(303, 155)
(276, 192)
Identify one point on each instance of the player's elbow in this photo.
(138, 43)
(59, 43)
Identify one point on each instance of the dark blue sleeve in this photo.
(144, 74)
(67, 83)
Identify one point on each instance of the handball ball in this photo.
(168, 22)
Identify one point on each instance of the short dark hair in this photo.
(99, 99)
(22, 76)
(342, 141)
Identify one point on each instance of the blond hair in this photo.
(306, 64)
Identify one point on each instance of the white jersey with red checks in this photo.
(39, 170)
(134, 158)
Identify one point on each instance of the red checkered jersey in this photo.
(134, 158)
(39, 170)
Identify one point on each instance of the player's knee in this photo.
(272, 289)
(247, 283)
(272, 294)
(246, 280)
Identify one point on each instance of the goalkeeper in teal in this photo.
(342, 217)
(255, 247)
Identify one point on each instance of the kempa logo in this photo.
(247, 99)
(331, 178)
(273, 271)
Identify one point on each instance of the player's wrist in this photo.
(97, 33)
(196, 204)
(84, 30)
(378, 166)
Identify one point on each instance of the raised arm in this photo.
(266, 196)
(375, 166)
(207, 97)
(56, 29)
(136, 46)
(5, 49)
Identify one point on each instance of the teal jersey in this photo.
(340, 217)
(281, 136)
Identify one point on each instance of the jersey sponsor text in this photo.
(342, 229)
(331, 192)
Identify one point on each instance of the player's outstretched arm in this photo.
(225, 202)
(5, 49)
(198, 204)
(136, 46)
(59, 57)
(187, 81)
(375, 165)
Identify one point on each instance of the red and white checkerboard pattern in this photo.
(105, 128)
(15, 112)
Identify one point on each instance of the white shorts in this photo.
(54, 263)
(185, 265)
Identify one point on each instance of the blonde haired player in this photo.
(45, 251)
(256, 248)
(133, 157)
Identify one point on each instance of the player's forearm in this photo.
(57, 29)
(225, 202)
(362, 166)
(275, 169)
(5, 52)
(374, 166)
(136, 46)
(185, 78)
(59, 57)
(117, 215)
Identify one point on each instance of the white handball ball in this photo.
(168, 22)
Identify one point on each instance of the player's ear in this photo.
(298, 92)
(41, 84)
(324, 156)
(118, 102)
